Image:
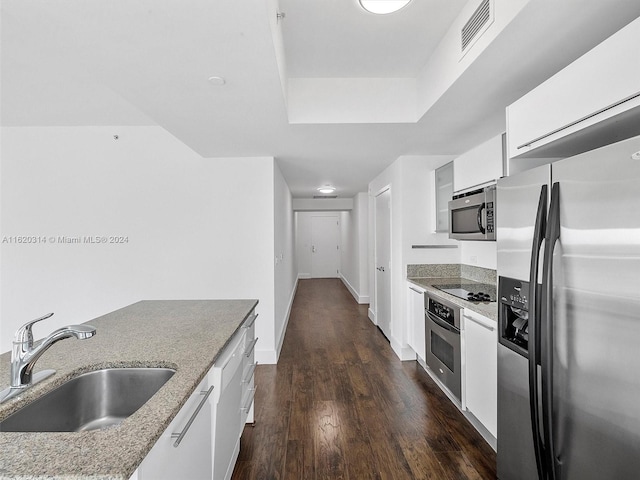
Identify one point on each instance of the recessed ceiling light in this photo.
(327, 189)
(217, 81)
(383, 7)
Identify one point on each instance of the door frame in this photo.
(375, 256)
(336, 217)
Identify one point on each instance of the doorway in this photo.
(383, 261)
(325, 236)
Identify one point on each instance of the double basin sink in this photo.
(91, 401)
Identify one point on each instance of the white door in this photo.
(324, 247)
(383, 262)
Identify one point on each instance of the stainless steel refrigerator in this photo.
(569, 318)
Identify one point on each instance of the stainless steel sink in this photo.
(90, 401)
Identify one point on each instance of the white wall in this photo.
(322, 204)
(418, 214)
(479, 254)
(304, 240)
(446, 64)
(354, 248)
(411, 181)
(352, 100)
(285, 258)
(195, 228)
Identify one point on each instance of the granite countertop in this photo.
(186, 335)
(487, 309)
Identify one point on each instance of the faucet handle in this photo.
(24, 333)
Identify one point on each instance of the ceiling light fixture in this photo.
(219, 81)
(382, 7)
(327, 189)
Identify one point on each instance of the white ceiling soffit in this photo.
(140, 62)
(346, 65)
(339, 39)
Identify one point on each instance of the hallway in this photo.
(340, 405)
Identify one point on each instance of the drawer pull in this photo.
(249, 323)
(252, 345)
(415, 290)
(251, 393)
(250, 373)
(180, 435)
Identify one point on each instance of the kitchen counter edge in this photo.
(150, 333)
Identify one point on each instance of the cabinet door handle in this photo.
(482, 323)
(250, 373)
(251, 347)
(568, 125)
(251, 321)
(250, 395)
(180, 435)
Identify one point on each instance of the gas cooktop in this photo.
(474, 292)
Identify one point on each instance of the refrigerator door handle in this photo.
(546, 351)
(534, 332)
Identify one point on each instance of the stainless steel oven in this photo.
(442, 330)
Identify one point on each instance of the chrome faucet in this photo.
(24, 355)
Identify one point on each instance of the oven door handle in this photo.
(443, 324)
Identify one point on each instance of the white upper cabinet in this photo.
(598, 94)
(444, 192)
(479, 165)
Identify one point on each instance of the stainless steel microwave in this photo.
(472, 215)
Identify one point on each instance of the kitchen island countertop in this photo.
(186, 335)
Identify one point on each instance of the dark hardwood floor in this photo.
(340, 405)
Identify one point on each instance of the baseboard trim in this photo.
(404, 352)
(361, 299)
(266, 357)
(286, 320)
(372, 316)
(304, 275)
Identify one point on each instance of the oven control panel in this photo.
(443, 310)
(440, 310)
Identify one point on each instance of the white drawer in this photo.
(228, 363)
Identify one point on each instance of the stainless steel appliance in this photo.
(442, 335)
(472, 292)
(472, 215)
(569, 318)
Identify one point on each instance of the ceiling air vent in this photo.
(325, 196)
(477, 24)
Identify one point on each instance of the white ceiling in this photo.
(146, 62)
(336, 38)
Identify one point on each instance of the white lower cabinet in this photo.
(187, 457)
(211, 421)
(481, 369)
(415, 304)
(227, 422)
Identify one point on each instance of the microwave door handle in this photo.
(534, 330)
(480, 226)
